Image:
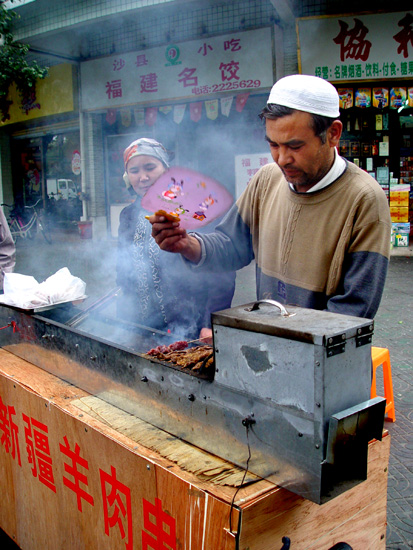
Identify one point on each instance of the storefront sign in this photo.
(247, 166)
(362, 47)
(200, 68)
(13, 4)
(53, 95)
(76, 163)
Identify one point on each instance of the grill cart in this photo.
(276, 437)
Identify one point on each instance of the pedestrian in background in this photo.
(7, 249)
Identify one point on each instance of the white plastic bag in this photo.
(25, 292)
(15, 282)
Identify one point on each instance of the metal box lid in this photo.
(295, 323)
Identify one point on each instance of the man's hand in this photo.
(169, 236)
(206, 335)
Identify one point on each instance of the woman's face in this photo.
(143, 171)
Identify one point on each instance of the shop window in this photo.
(48, 167)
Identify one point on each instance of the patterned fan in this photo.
(195, 198)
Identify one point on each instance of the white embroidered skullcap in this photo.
(306, 93)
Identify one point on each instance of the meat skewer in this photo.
(178, 353)
(175, 346)
(198, 339)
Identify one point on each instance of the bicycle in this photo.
(27, 229)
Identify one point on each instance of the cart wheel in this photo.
(341, 546)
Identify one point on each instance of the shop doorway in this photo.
(48, 167)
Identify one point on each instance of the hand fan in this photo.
(197, 199)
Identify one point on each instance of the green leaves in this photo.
(13, 65)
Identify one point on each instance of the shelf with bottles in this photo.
(406, 169)
(366, 133)
(354, 148)
(372, 139)
(364, 122)
(368, 155)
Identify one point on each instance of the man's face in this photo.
(302, 157)
(143, 171)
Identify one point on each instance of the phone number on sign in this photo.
(223, 87)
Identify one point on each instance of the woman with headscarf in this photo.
(158, 290)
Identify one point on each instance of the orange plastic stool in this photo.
(381, 356)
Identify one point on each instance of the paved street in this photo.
(94, 263)
(394, 331)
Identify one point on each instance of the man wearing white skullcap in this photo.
(317, 226)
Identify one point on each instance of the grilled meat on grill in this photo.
(181, 344)
(194, 358)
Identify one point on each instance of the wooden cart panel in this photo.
(72, 478)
